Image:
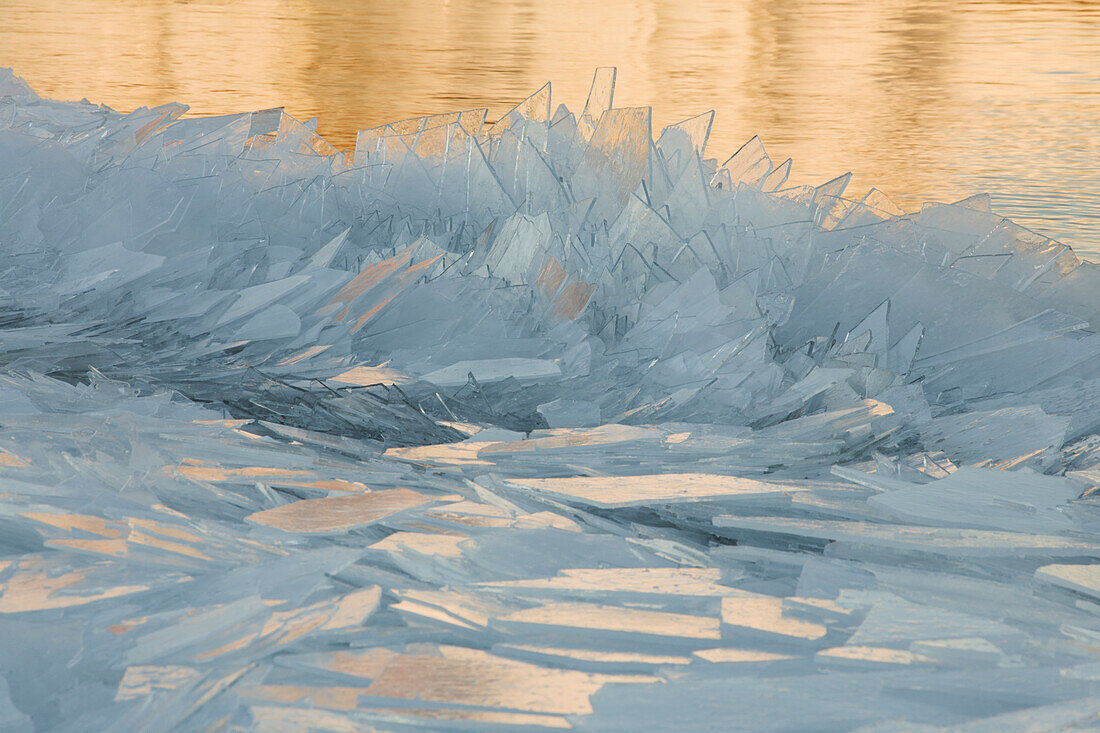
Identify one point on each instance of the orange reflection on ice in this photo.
(618, 618)
(281, 476)
(620, 491)
(37, 585)
(338, 513)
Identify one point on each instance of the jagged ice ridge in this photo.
(549, 423)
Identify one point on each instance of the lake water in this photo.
(925, 99)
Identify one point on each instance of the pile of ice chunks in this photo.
(547, 423)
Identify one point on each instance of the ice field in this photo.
(553, 423)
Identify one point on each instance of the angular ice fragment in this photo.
(535, 108)
(902, 353)
(561, 413)
(425, 543)
(750, 164)
(624, 491)
(493, 370)
(764, 615)
(657, 581)
(274, 322)
(895, 621)
(1081, 578)
(616, 159)
(600, 97)
(614, 619)
(977, 202)
(338, 513)
(962, 651)
(778, 176)
(365, 376)
(36, 584)
(13, 86)
(526, 687)
(516, 251)
(960, 542)
(142, 680)
(594, 658)
(1006, 438)
(256, 297)
(728, 655)
(870, 655)
(697, 129)
(678, 141)
(325, 255)
(1017, 501)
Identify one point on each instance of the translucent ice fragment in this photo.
(325, 255)
(493, 370)
(652, 581)
(338, 513)
(729, 655)
(519, 249)
(869, 656)
(256, 297)
(274, 322)
(142, 680)
(622, 491)
(778, 176)
(677, 142)
(764, 615)
(1008, 437)
(619, 619)
(1084, 579)
(945, 541)
(600, 98)
(616, 159)
(562, 413)
(425, 543)
(36, 584)
(894, 621)
(750, 164)
(966, 651)
(535, 108)
(973, 497)
(596, 658)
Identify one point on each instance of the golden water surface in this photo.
(926, 99)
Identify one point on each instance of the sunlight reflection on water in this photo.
(925, 99)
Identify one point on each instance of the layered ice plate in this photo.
(552, 423)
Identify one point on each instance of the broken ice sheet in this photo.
(543, 425)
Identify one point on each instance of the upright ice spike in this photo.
(679, 140)
(535, 108)
(750, 164)
(775, 180)
(600, 99)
